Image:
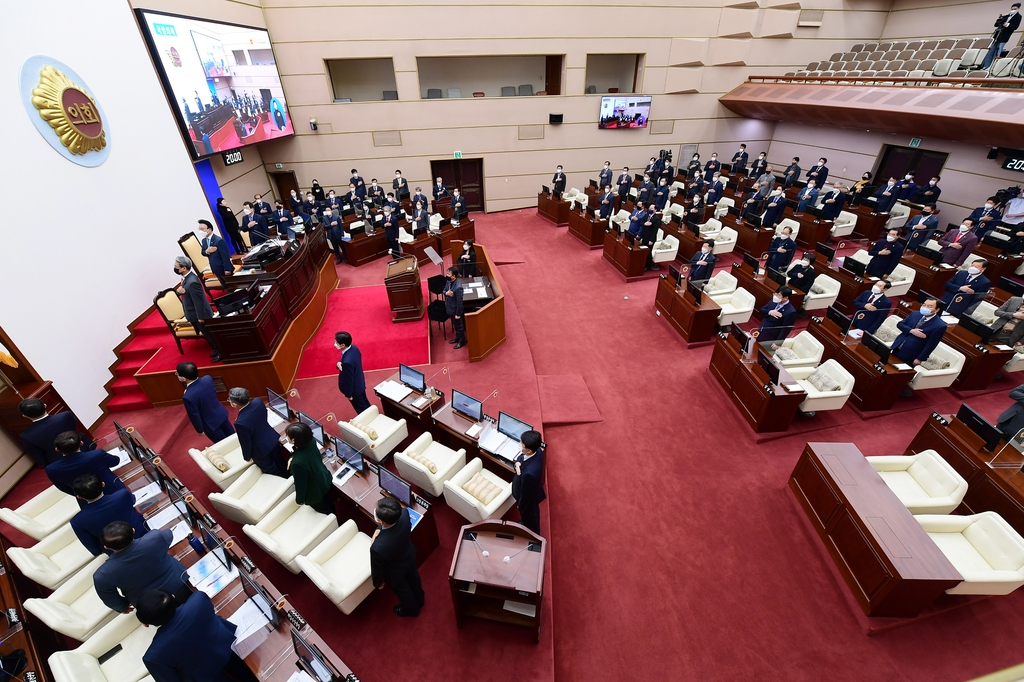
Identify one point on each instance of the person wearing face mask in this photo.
(778, 316)
(558, 182)
(649, 235)
(885, 255)
(928, 194)
(802, 274)
(390, 224)
(400, 185)
(311, 476)
(440, 190)
(528, 482)
(766, 182)
(711, 167)
(230, 223)
(715, 190)
(310, 208)
(807, 197)
(202, 406)
(637, 218)
(702, 265)
(958, 243)
(254, 224)
(333, 202)
(646, 190)
(458, 205)
(1005, 25)
(693, 168)
(872, 307)
(925, 220)
(194, 301)
(1008, 327)
(907, 187)
(420, 217)
(261, 207)
(606, 204)
(860, 189)
(792, 173)
(739, 160)
(604, 178)
(887, 195)
(833, 203)
(358, 183)
(283, 221)
(653, 167)
(773, 211)
(295, 203)
(920, 333)
(696, 187)
(819, 172)
(216, 251)
(335, 231)
(351, 381)
(781, 250)
(695, 211)
(625, 183)
(318, 191)
(393, 557)
(986, 217)
(375, 193)
(391, 201)
(966, 289)
(758, 167)
(467, 260)
(420, 197)
(452, 294)
(661, 195)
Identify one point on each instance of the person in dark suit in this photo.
(739, 159)
(625, 182)
(74, 463)
(359, 184)
(907, 187)
(283, 221)
(653, 168)
(695, 211)
(400, 185)
(191, 642)
(459, 210)
(925, 220)
(100, 509)
(833, 203)
(986, 217)
(637, 218)
(693, 168)
(924, 228)
(1011, 421)
(257, 438)
(310, 209)
(965, 289)
(351, 381)
(393, 557)
(606, 204)
(759, 166)
(711, 167)
(230, 223)
(38, 439)
(696, 186)
(781, 250)
(887, 195)
(335, 231)
(390, 223)
(420, 216)
(216, 250)
(885, 254)
(1007, 326)
(440, 190)
(467, 259)
(646, 190)
(921, 332)
(295, 202)
(317, 191)
(753, 206)
(872, 307)
(661, 195)
(807, 197)
(702, 265)
(928, 194)
(649, 235)
(558, 181)
(375, 193)
(715, 190)
(819, 172)
(778, 317)
(792, 173)
(205, 412)
(1005, 25)
(452, 294)
(604, 178)
(194, 302)
(255, 224)
(137, 565)
(958, 243)
(528, 482)
(774, 208)
(261, 207)
(802, 274)
(420, 197)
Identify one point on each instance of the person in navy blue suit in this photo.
(528, 482)
(351, 381)
(715, 189)
(773, 211)
(255, 224)
(645, 190)
(257, 438)
(606, 204)
(420, 197)
(739, 159)
(458, 205)
(781, 250)
(872, 307)
(194, 302)
(205, 412)
(283, 221)
(966, 288)
(393, 557)
(216, 250)
(661, 195)
(986, 217)
(637, 218)
(624, 183)
(887, 195)
(702, 265)
(711, 167)
(261, 207)
(833, 203)
(885, 254)
(440, 190)
(807, 197)
(604, 178)
(358, 183)
(778, 317)
(75, 463)
(136, 566)
(819, 172)
(928, 194)
(925, 220)
(921, 332)
(295, 202)
(38, 439)
(192, 643)
(101, 509)
(802, 274)
(907, 187)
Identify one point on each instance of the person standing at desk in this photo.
(38, 439)
(693, 168)
(375, 193)
(295, 202)
(646, 190)
(928, 194)
(819, 172)
(230, 222)
(312, 479)
(261, 207)
(393, 557)
(986, 217)
(400, 185)
(715, 190)
(604, 178)
(317, 190)
(965, 289)
(921, 332)
(607, 203)
(833, 204)
(255, 224)
(637, 218)
(420, 217)
(351, 381)
(653, 168)
(101, 508)
(467, 259)
(1011, 421)
(649, 235)
(703, 262)
(792, 173)
(925, 220)
(558, 182)
(872, 307)
(420, 197)
(138, 565)
(860, 189)
(781, 250)
(216, 250)
(907, 187)
(256, 437)
(625, 182)
(528, 482)
(885, 255)
(358, 183)
(1008, 327)
(773, 210)
(695, 211)
(440, 190)
(194, 301)
(887, 195)
(458, 205)
(802, 275)
(661, 195)
(778, 317)
(758, 167)
(205, 412)
(284, 221)
(739, 160)
(391, 231)
(74, 463)
(957, 244)
(336, 232)
(807, 197)
(192, 642)
(453, 306)
(712, 166)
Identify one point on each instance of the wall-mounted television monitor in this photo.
(221, 80)
(624, 111)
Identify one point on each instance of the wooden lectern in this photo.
(404, 291)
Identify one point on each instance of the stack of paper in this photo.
(164, 517)
(143, 494)
(209, 575)
(250, 631)
(122, 456)
(393, 390)
(274, 419)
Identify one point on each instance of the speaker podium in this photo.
(405, 295)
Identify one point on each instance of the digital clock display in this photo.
(1015, 163)
(232, 157)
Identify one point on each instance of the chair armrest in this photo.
(941, 523)
(801, 373)
(334, 542)
(267, 543)
(420, 444)
(891, 462)
(276, 516)
(319, 577)
(43, 501)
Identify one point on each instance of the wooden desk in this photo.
(485, 328)
(405, 295)
(555, 210)
(695, 323)
(363, 247)
(869, 225)
(629, 259)
(749, 239)
(811, 230)
(465, 230)
(689, 243)
(418, 247)
(404, 409)
(295, 274)
(762, 288)
(999, 263)
(588, 228)
(767, 411)
(442, 206)
(482, 586)
(927, 275)
(850, 287)
(28, 634)
(249, 336)
(890, 564)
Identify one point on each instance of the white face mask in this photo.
(695, 157)
(607, 166)
(465, 247)
(806, 263)
(777, 299)
(761, 157)
(778, 192)
(907, 177)
(810, 185)
(973, 270)
(964, 229)
(890, 238)
(990, 206)
(247, 211)
(398, 175)
(706, 249)
(927, 312)
(876, 289)
(717, 178)
(932, 183)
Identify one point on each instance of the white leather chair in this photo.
(375, 434)
(737, 307)
(710, 229)
(984, 548)
(231, 451)
(570, 195)
(902, 278)
(722, 284)
(470, 507)
(621, 219)
(676, 188)
(52, 560)
(808, 351)
(939, 378)
(43, 514)
(435, 221)
(291, 529)
(340, 566)
(82, 664)
(820, 401)
(898, 216)
(673, 210)
(925, 483)
(414, 463)
(252, 495)
(830, 293)
(844, 225)
(725, 241)
(404, 237)
(790, 223)
(723, 206)
(986, 313)
(665, 249)
(74, 609)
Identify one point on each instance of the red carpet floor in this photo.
(364, 312)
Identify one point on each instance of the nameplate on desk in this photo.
(474, 430)
(793, 388)
(902, 366)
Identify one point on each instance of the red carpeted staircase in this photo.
(147, 337)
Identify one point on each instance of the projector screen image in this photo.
(630, 111)
(222, 79)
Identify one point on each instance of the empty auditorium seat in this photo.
(862, 57)
(876, 55)
(847, 56)
(737, 306)
(984, 548)
(959, 73)
(813, 66)
(938, 54)
(905, 54)
(981, 73)
(956, 55)
(433, 93)
(901, 45)
(879, 65)
(916, 45)
(930, 45)
(526, 90)
(911, 64)
(894, 66)
(981, 44)
(922, 54)
(884, 46)
(859, 47)
(971, 59)
(947, 44)
(838, 56)
(509, 91)
(927, 65)
(964, 43)
(942, 67)
(1006, 67)
(925, 483)
(870, 47)
(890, 55)
(454, 93)
(390, 94)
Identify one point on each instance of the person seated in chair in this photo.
(885, 254)
(1008, 327)
(802, 275)
(966, 289)
(872, 307)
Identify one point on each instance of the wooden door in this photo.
(896, 161)
(553, 74)
(466, 174)
(284, 183)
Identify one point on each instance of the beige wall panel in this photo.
(688, 51)
(852, 26)
(240, 181)
(408, 85)
(684, 79)
(973, 19)
(654, 80)
(305, 90)
(728, 51)
(722, 79)
(737, 23)
(778, 23)
(575, 82)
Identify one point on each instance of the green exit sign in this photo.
(915, 142)
(458, 155)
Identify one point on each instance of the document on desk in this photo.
(251, 631)
(164, 517)
(180, 532)
(274, 419)
(209, 575)
(491, 439)
(414, 517)
(122, 456)
(902, 366)
(300, 676)
(146, 492)
(393, 390)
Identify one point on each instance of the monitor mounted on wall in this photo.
(624, 111)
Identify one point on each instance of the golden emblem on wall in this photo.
(70, 111)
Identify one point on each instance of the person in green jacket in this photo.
(312, 479)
